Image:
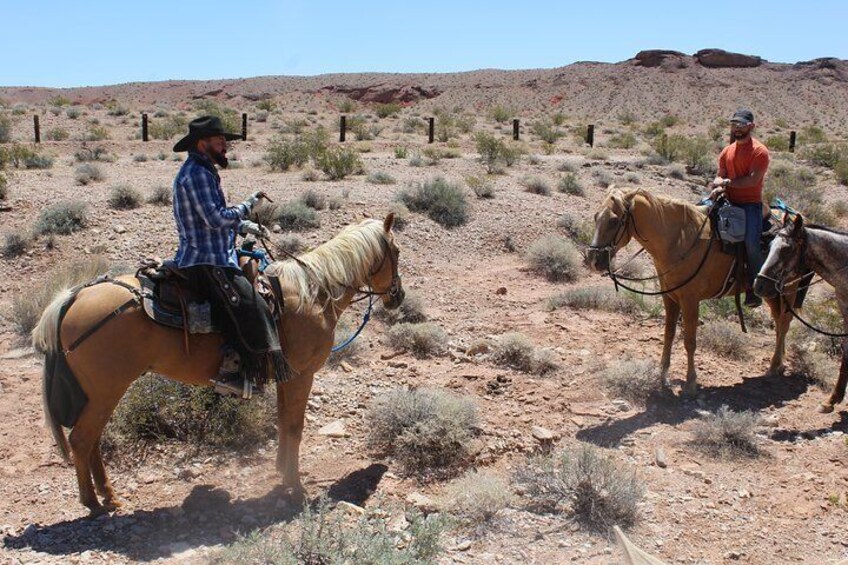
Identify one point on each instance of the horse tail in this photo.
(45, 339)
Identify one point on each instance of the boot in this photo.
(230, 381)
(752, 300)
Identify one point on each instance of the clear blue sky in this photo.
(97, 42)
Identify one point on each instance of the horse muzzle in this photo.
(394, 298)
(765, 288)
(598, 259)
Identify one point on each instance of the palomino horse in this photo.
(316, 288)
(796, 250)
(690, 265)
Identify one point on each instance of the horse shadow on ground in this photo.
(207, 516)
(753, 394)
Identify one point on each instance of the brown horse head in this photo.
(611, 230)
(386, 280)
(784, 258)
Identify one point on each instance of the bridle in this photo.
(619, 234)
(395, 286)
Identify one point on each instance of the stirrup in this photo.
(243, 389)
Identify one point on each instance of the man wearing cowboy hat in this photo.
(206, 255)
(742, 166)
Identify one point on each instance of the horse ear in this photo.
(389, 222)
(799, 226)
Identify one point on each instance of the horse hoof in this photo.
(825, 408)
(112, 504)
(98, 510)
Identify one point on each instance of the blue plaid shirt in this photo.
(207, 226)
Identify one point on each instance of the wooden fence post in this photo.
(244, 126)
(431, 131)
(144, 127)
(590, 135)
(515, 126)
(37, 129)
(792, 142)
(342, 127)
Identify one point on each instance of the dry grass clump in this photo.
(808, 360)
(555, 258)
(517, 351)
(14, 245)
(297, 216)
(723, 338)
(579, 229)
(411, 311)
(603, 178)
(727, 433)
(380, 177)
(86, 154)
(401, 213)
(160, 196)
(290, 243)
(28, 306)
(634, 380)
(482, 188)
(593, 298)
(797, 187)
(536, 185)
(442, 201)
(88, 173)
(155, 408)
(584, 483)
(569, 184)
(124, 197)
(477, 497)
(62, 218)
(422, 340)
(425, 429)
(313, 200)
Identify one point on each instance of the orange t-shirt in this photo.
(738, 160)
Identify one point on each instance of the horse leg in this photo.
(690, 330)
(672, 315)
(83, 439)
(838, 394)
(781, 328)
(291, 409)
(101, 479)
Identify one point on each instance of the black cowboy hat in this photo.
(201, 128)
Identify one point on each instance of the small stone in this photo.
(422, 502)
(543, 434)
(659, 457)
(346, 367)
(463, 545)
(351, 508)
(334, 429)
(501, 291)
(118, 228)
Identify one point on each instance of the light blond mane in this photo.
(674, 215)
(343, 262)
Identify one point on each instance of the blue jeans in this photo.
(753, 231)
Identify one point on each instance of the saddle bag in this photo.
(731, 224)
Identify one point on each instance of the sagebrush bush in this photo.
(124, 197)
(401, 213)
(814, 364)
(344, 330)
(283, 154)
(421, 339)
(723, 338)
(555, 258)
(14, 245)
(495, 152)
(28, 305)
(412, 310)
(579, 229)
(797, 187)
(442, 201)
(62, 218)
(291, 243)
(161, 195)
(622, 141)
(634, 380)
(569, 184)
(4, 186)
(481, 187)
(339, 162)
(297, 216)
(517, 351)
(425, 430)
(38, 161)
(88, 173)
(603, 178)
(167, 127)
(86, 154)
(313, 200)
(5, 129)
(155, 408)
(477, 497)
(584, 483)
(57, 134)
(593, 298)
(727, 433)
(536, 185)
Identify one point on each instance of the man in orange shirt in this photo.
(742, 166)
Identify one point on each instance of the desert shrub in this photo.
(401, 213)
(265, 213)
(797, 187)
(635, 380)
(386, 110)
(4, 186)
(313, 200)
(62, 218)
(727, 433)
(73, 113)
(28, 305)
(401, 152)
(155, 408)
(581, 230)
(517, 351)
(411, 311)
(425, 429)
(481, 187)
(338, 162)
(124, 197)
(669, 120)
(95, 133)
(230, 119)
(536, 185)
(283, 154)
(810, 135)
(603, 178)
(593, 298)
(422, 339)
(723, 338)
(584, 483)
(310, 175)
(633, 178)
(344, 330)
(500, 113)
(442, 201)
(569, 184)
(290, 243)
(379, 177)
(58, 100)
(320, 536)
(57, 134)
(777, 143)
(546, 130)
(494, 152)
(86, 154)
(826, 154)
(622, 141)
(676, 172)
(297, 216)
(38, 161)
(88, 173)
(5, 129)
(14, 245)
(814, 364)
(161, 195)
(167, 127)
(476, 497)
(555, 258)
